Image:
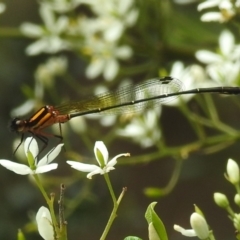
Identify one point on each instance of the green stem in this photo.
(116, 204)
(182, 150)
(49, 203)
(39, 184)
(230, 211)
(110, 188)
(237, 188)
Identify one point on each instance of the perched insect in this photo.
(131, 98)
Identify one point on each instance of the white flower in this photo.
(199, 225)
(232, 171)
(101, 36)
(44, 224)
(49, 34)
(36, 167)
(222, 67)
(192, 76)
(144, 129)
(101, 154)
(226, 10)
(105, 57)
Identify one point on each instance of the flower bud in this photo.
(199, 225)
(232, 171)
(221, 200)
(237, 199)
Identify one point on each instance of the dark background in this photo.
(201, 174)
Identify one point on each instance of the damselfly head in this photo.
(17, 125)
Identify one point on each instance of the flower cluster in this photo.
(98, 37)
(144, 130)
(222, 67)
(102, 35)
(49, 34)
(233, 176)
(198, 222)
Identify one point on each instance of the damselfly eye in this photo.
(17, 125)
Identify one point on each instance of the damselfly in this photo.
(127, 99)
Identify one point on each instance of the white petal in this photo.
(97, 171)
(226, 5)
(114, 32)
(108, 120)
(62, 24)
(99, 145)
(55, 44)
(83, 167)
(212, 16)
(31, 145)
(106, 170)
(207, 57)
(2, 7)
(226, 42)
(208, 4)
(37, 47)
(185, 232)
(46, 168)
(124, 6)
(95, 68)
(16, 167)
(51, 155)
(44, 224)
(123, 52)
(47, 16)
(31, 30)
(132, 130)
(233, 171)
(113, 162)
(177, 69)
(131, 18)
(111, 69)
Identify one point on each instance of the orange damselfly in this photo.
(131, 98)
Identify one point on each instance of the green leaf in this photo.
(132, 238)
(153, 218)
